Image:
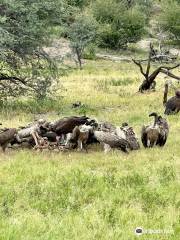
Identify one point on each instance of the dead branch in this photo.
(138, 63)
(170, 74)
(12, 79)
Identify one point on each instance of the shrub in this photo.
(170, 20)
(90, 52)
(77, 3)
(119, 25)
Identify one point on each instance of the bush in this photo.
(144, 7)
(90, 52)
(119, 25)
(77, 3)
(170, 20)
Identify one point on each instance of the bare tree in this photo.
(149, 78)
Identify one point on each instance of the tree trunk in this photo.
(79, 58)
(149, 82)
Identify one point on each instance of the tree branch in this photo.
(170, 68)
(138, 63)
(8, 78)
(159, 56)
(169, 74)
(148, 65)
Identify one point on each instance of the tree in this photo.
(82, 33)
(25, 27)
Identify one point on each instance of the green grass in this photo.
(76, 195)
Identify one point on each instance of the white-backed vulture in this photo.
(79, 137)
(172, 105)
(126, 132)
(32, 130)
(7, 137)
(106, 127)
(66, 125)
(156, 133)
(111, 139)
(164, 131)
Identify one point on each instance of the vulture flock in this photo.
(80, 132)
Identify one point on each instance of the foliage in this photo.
(90, 52)
(25, 28)
(78, 3)
(170, 20)
(118, 25)
(82, 33)
(144, 7)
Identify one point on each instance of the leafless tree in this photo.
(149, 78)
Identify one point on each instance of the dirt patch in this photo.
(59, 49)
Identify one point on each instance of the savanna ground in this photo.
(91, 195)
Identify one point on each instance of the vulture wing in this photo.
(132, 139)
(67, 125)
(164, 131)
(112, 140)
(144, 135)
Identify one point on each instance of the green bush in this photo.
(78, 3)
(170, 20)
(145, 7)
(119, 25)
(90, 52)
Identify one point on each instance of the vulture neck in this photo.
(155, 120)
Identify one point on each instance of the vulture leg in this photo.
(4, 146)
(35, 138)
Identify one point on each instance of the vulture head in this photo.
(177, 93)
(153, 114)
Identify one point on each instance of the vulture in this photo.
(172, 105)
(106, 127)
(79, 137)
(127, 132)
(46, 133)
(51, 136)
(66, 125)
(156, 133)
(32, 130)
(111, 140)
(7, 137)
(164, 131)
